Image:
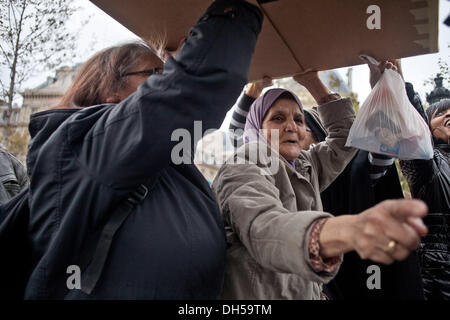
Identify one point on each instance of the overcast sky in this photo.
(103, 31)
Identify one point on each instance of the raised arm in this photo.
(237, 122)
(337, 115)
(379, 163)
(200, 84)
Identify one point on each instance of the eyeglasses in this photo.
(147, 72)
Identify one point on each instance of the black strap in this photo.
(93, 272)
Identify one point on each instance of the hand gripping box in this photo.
(300, 35)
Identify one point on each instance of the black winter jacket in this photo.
(83, 162)
(429, 181)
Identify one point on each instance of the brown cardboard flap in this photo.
(299, 35)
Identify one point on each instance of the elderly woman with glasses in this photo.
(106, 198)
(282, 244)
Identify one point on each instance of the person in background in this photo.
(356, 189)
(283, 245)
(429, 180)
(366, 181)
(13, 175)
(369, 179)
(107, 146)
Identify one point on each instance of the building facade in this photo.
(43, 97)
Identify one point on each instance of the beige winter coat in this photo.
(269, 208)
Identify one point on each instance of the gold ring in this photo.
(391, 246)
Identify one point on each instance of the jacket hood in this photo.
(41, 127)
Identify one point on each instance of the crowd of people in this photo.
(103, 193)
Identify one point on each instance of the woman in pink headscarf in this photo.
(282, 244)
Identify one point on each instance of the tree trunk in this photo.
(12, 84)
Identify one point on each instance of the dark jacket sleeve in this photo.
(416, 172)
(414, 98)
(133, 140)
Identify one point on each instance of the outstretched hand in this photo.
(255, 89)
(390, 230)
(385, 233)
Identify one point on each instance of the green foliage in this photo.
(335, 83)
(404, 184)
(354, 97)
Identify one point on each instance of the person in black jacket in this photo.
(369, 179)
(429, 180)
(111, 137)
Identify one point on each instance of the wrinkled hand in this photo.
(377, 70)
(255, 89)
(398, 220)
(306, 78)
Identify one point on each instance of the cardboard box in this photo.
(300, 35)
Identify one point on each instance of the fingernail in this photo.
(419, 222)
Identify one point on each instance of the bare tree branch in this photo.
(30, 39)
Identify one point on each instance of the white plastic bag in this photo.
(388, 124)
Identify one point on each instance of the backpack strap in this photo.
(94, 270)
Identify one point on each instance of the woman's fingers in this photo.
(375, 245)
(418, 225)
(398, 217)
(390, 65)
(398, 253)
(404, 209)
(384, 256)
(390, 229)
(371, 238)
(381, 257)
(267, 82)
(402, 233)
